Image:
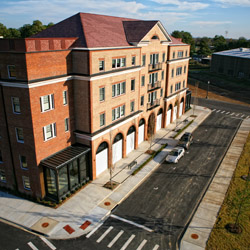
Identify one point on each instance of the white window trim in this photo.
(116, 59)
(12, 98)
(10, 77)
(53, 132)
(120, 108)
(51, 101)
(22, 164)
(65, 104)
(116, 85)
(24, 183)
(20, 141)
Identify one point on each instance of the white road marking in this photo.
(232, 113)
(32, 246)
(93, 231)
(223, 111)
(247, 117)
(242, 116)
(131, 222)
(48, 243)
(218, 111)
(237, 114)
(213, 110)
(128, 242)
(141, 245)
(104, 234)
(156, 247)
(227, 113)
(115, 239)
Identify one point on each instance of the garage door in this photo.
(158, 122)
(169, 116)
(141, 134)
(130, 142)
(117, 151)
(101, 161)
(175, 113)
(181, 109)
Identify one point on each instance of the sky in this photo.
(229, 18)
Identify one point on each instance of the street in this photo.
(156, 214)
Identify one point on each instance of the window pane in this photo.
(118, 89)
(63, 180)
(113, 114)
(23, 161)
(48, 131)
(83, 167)
(51, 182)
(123, 62)
(66, 121)
(12, 71)
(118, 62)
(123, 110)
(26, 182)
(142, 100)
(113, 63)
(2, 176)
(102, 119)
(102, 94)
(16, 104)
(142, 80)
(65, 100)
(46, 104)
(118, 114)
(123, 88)
(19, 134)
(73, 174)
(101, 65)
(113, 90)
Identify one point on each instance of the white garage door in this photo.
(169, 116)
(117, 151)
(180, 109)
(141, 134)
(175, 113)
(158, 123)
(101, 161)
(130, 142)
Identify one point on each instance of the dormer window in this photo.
(155, 37)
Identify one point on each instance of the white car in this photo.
(175, 155)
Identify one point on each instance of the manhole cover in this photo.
(194, 236)
(45, 224)
(107, 203)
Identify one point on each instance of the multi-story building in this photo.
(234, 62)
(81, 95)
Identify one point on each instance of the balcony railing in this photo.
(153, 104)
(154, 66)
(155, 85)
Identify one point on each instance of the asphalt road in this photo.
(162, 206)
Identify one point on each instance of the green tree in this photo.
(12, 33)
(204, 47)
(219, 43)
(186, 38)
(3, 30)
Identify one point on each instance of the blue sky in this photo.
(229, 18)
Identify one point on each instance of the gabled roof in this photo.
(95, 31)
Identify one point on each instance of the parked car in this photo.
(175, 155)
(186, 140)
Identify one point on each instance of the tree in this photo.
(3, 30)
(151, 129)
(186, 38)
(219, 43)
(204, 49)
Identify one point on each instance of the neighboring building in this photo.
(234, 62)
(81, 95)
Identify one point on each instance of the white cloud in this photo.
(183, 5)
(229, 3)
(210, 23)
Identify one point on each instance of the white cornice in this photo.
(178, 60)
(105, 48)
(67, 78)
(108, 130)
(167, 99)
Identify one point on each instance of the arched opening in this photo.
(169, 112)
(130, 140)
(175, 111)
(155, 37)
(151, 125)
(141, 131)
(101, 158)
(159, 120)
(181, 107)
(117, 148)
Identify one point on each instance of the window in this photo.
(65, 97)
(143, 60)
(142, 100)
(154, 58)
(185, 68)
(161, 92)
(66, 124)
(23, 162)
(143, 81)
(133, 60)
(49, 131)
(177, 86)
(101, 65)
(180, 54)
(118, 62)
(12, 71)
(102, 119)
(163, 57)
(118, 89)
(178, 71)
(1, 157)
(172, 74)
(132, 84)
(152, 97)
(186, 53)
(132, 106)
(19, 134)
(184, 83)
(173, 54)
(16, 105)
(2, 176)
(118, 112)
(153, 78)
(47, 102)
(101, 94)
(26, 182)
(171, 89)
(162, 75)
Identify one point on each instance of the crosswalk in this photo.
(231, 114)
(116, 238)
(34, 246)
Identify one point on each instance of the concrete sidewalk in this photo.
(88, 207)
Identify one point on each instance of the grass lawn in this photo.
(236, 205)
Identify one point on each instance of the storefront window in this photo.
(83, 168)
(51, 182)
(73, 174)
(63, 181)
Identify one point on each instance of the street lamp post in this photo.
(208, 82)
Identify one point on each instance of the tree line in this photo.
(26, 30)
(205, 46)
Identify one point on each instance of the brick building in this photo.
(234, 62)
(81, 95)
